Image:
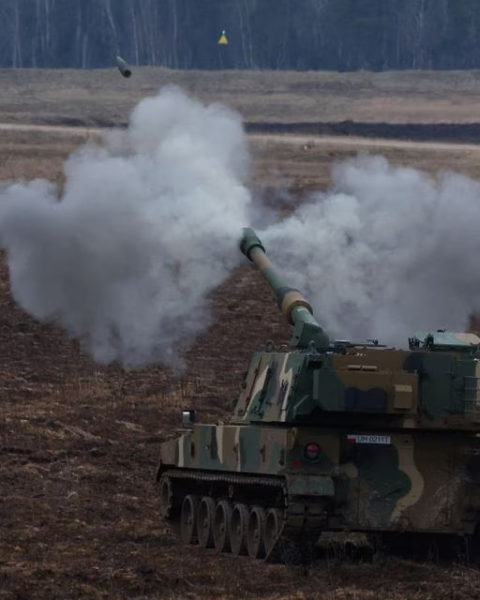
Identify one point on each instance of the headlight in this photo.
(312, 452)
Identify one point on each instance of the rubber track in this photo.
(302, 522)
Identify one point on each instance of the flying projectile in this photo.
(123, 67)
(223, 39)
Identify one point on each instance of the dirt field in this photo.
(102, 96)
(79, 442)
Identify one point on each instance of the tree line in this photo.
(340, 35)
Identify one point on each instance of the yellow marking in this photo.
(406, 464)
(223, 39)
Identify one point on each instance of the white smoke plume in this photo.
(148, 224)
(389, 251)
(146, 227)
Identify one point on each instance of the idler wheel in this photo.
(256, 533)
(205, 516)
(166, 497)
(188, 520)
(238, 529)
(273, 527)
(221, 523)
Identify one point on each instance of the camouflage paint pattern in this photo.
(397, 431)
(394, 388)
(411, 481)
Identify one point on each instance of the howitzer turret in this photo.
(329, 437)
(296, 309)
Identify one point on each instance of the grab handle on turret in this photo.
(293, 304)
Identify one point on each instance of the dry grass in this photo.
(103, 96)
(291, 167)
(283, 168)
(79, 442)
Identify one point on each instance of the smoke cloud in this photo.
(146, 227)
(388, 252)
(148, 223)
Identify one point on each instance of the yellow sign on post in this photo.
(223, 39)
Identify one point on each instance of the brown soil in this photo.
(79, 442)
(78, 452)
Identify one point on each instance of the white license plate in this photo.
(368, 439)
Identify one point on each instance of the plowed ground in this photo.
(79, 442)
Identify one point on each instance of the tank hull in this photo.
(361, 481)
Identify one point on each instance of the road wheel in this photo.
(188, 520)
(205, 516)
(166, 497)
(256, 533)
(238, 529)
(221, 522)
(273, 527)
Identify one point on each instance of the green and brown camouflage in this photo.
(357, 437)
(363, 386)
(397, 480)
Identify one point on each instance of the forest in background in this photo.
(340, 35)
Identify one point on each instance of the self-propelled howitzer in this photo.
(332, 436)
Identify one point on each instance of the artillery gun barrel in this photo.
(293, 304)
